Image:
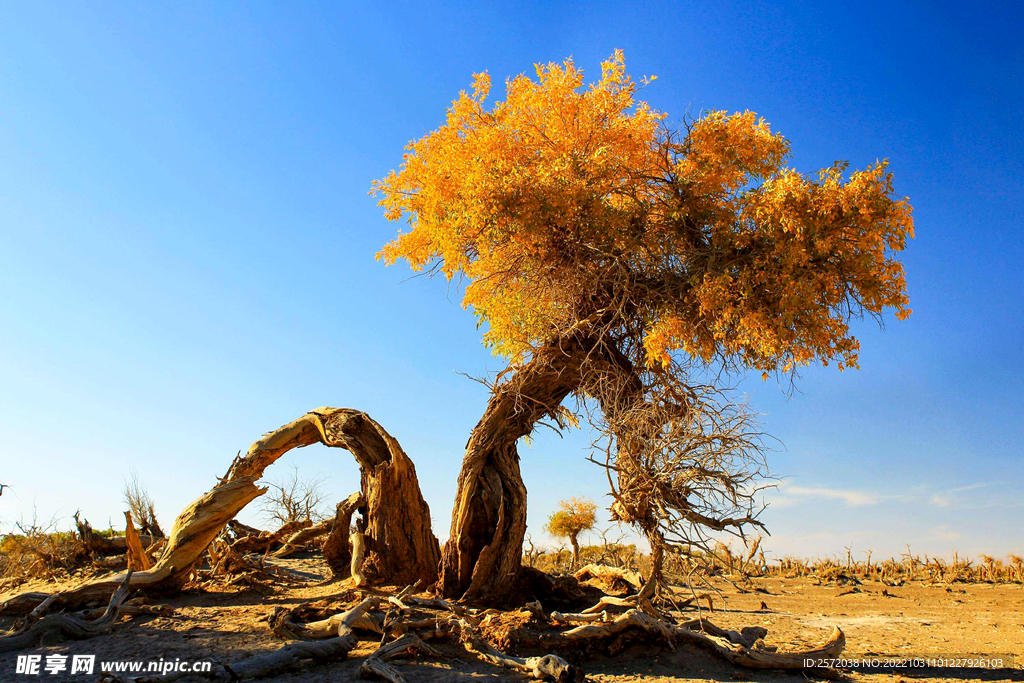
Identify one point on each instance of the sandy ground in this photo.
(912, 621)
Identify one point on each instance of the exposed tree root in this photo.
(490, 634)
(749, 656)
(68, 626)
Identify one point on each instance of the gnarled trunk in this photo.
(400, 546)
(481, 559)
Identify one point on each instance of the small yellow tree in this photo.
(572, 517)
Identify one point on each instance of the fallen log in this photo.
(282, 624)
(296, 541)
(546, 667)
(98, 544)
(612, 580)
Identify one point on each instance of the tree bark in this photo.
(481, 559)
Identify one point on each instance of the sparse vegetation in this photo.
(140, 504)
(294, 499)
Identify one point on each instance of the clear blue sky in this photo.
(186, 246)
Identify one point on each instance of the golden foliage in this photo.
(572, 517)
(568, 205)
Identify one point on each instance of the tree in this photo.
(609, 255)
(294, 499)
(573, 517)
(140, 503)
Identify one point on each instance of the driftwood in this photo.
(68, 626)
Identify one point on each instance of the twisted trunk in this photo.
(481, 559)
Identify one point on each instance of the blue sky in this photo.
(186, 247)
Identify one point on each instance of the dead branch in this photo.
(749, 656)
(138, 560)
(377, 664)
(296, 541)
(328, 649)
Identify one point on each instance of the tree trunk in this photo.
(481, 559)
(336, 548)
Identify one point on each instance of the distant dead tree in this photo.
(573, 517)
(294, 499)
(140, 504)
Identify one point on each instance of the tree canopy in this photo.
(569, 206)
(572, 517)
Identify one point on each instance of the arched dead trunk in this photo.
(400, 545)
(481, 559)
